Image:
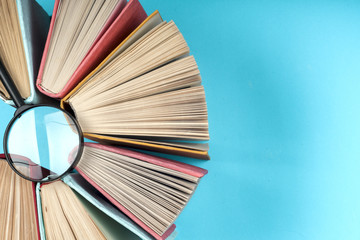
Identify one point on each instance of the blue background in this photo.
(283, 93)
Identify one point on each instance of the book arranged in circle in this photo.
(133, 86)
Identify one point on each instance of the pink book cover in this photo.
(120, 6)
(163, 162)
(120, 24)
(46, 49)
(174, 165)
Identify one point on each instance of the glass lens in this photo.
(43, 143)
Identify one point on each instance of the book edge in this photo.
(46, 49)
(67, 96)
(125, 211)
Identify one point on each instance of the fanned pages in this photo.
(92, 29)
(114, 224)
(152, 191)
(109, 228)
(80, 21)
(23, 29)
(147, 94)
(114, 217)
(64, 215)
(17, 206)
(34, 22)
(12, 52)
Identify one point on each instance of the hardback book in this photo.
(58, 206)
(146, 94)
(150, 190)
(23, 30)
(82, 33)
(18, 208)
(64, 216)
(110, 220)
(129, 80)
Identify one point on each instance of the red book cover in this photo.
(174, 165)
(121, 5)
(127, 212)
(46, 49)
(163, 162)
(112, 35)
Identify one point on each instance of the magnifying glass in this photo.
(42, 143)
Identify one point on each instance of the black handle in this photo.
(10, 86)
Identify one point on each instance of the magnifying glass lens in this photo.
(43, 143)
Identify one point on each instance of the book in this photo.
(107, 216)
(18, 209)
(23, 34)
(149, 89)
(150, 190)
(109, 228)
(93, 29)
(62, 212)
(129, 80)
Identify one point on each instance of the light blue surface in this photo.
(283, 92)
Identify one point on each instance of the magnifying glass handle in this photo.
(10, 86)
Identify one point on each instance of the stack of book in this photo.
(131, 83)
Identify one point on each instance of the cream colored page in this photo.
(63, 212)
(156, 195)
(80, 21)
(12, 52)
(17, 206)
(111, 229)
(116, 92)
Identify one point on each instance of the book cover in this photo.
(85, 189)
(127, 22)
(149, 23)
(162, 162)
(129, 18)
(34, 24)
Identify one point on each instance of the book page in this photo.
(77, 25)
(17, 206)
(12, 52)
(150, 90)
(63, 212)
(151, 193)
